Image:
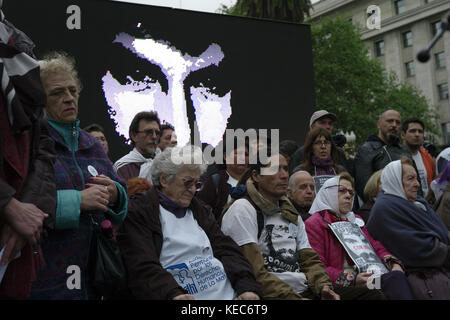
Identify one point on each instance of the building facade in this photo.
(406, 27)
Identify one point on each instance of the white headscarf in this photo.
(391, 179)
(327, 199)
(392, 183)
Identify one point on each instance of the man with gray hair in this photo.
(301, 192)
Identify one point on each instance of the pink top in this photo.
(328, 247)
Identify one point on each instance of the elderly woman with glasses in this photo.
(171, 244)
(332, 204)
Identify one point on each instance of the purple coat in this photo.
(328, 247)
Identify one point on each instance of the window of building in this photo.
(428, 1)
(440, 59)
(446, 132)
(407, 39)
(435, 27)
(379, 48)
(399, 6)
(410, 70)
(443, 91)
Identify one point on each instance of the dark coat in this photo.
(140, 240)
(216, 197)
(26, 164)
(442, 207)
(302, 211)
(418, 238)
(364, 211)
(372, 156)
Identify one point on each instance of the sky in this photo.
(195, 5)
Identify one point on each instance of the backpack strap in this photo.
(259, 214)
(216, 177)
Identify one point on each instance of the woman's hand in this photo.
(362, 278)
(109, 183)
(184, 297)
(248, 295)
(95, 197)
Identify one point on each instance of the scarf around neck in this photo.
(171, 206)
(323, 167)
(285, 207)
(136, 157)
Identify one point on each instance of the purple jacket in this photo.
(328, 247)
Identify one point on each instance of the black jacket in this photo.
(215, 193)
(140, 240)
(374, 155)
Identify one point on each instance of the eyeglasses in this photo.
(343, 189)
(150, 132)
(325, 143)
(191, 182)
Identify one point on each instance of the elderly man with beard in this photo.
(379, 149)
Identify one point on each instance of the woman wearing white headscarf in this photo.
(411, 230)
(333, 203)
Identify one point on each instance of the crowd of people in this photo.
(308, 224)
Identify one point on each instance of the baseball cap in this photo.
(319, 114)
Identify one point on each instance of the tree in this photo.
(286, 10)
(348, 82)
(352, 85)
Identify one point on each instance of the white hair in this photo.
(291, 185)
(173, 159)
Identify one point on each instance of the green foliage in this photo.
(351, 84)
(348, 81)
(286, 10)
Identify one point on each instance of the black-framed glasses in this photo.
(342, 189)
(149, 132)
(192, 182)
(325, 143)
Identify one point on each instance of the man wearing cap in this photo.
(324, 119)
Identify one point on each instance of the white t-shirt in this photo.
(187, 254)
(279, 241)
(422, 172)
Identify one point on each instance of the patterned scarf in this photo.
(286, 208)
(323, 167)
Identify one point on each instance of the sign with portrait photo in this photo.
(357, 247)
(319, 181)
